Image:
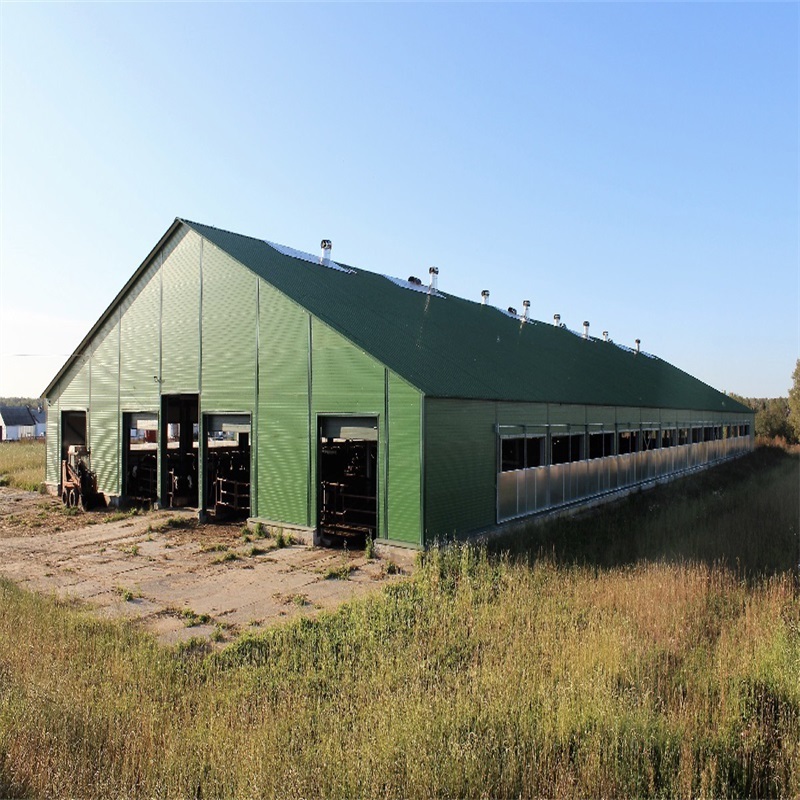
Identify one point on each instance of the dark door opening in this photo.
(140, 457)
(227, 465)
(179, 445)
(73, 431)
(348, 477)
(78, 483)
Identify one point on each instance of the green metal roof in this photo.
(450, 347)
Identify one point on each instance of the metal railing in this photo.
(528, 491)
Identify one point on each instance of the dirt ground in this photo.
(176, 577)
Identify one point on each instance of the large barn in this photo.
(239, 376)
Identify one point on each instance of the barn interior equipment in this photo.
(140, 456)
(179, 440)
(227, 464)
(78, 482)
(348, 478)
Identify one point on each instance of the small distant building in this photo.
(235, 373)
(21, 422)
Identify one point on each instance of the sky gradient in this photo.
(634, 165)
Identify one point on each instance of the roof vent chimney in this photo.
(638, 342)
(585, 329)
(605, 336)
(484, 296)
(434, 284)
(325, 258)
(557, 320)
(526, 304)
(512, 311)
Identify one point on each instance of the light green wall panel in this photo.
(460, 465)
(404, 471)
(521, 413)
(229, 333)
(139, 343)
(180, 317)
(606, 415)
(103, 419)
(74, 386)
(559, 414)
(283, 413)
(345, 380)
(629, 416)
(52, 444)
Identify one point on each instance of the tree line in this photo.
(777, 417)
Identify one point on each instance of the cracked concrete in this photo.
(164, 570)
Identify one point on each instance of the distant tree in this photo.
(20, 401)
(773, 419)
(794, 402)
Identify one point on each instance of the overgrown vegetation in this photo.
(22, 464)
(665, 668)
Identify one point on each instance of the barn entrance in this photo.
(179, 446)
(140, 457)
(73, 431)
(226, 464)
(348, 477)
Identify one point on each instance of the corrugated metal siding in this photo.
(566, 414)
(104, 405)
(53, 438)
(403, 480)
(522, 413)
(460, 465)
(345, 380)
(74, 387)
(139, 336)
(229, 333)
(597, 414)
(283, 421)
(180, 318)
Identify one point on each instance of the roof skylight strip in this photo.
(414, 287)
(311, 259)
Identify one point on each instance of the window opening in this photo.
(179, 454)
(227, 464)
(628, 442)
(650, 438)
(512, 454)
(140, 457)
(348, 477)
(601, 444)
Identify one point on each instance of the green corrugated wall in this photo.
(53, 443)
(404, 462)
(229, 333)
(345, 380)
(103, 417)
(180, 318)
(139, 339)
(283, 418)
(460, 467)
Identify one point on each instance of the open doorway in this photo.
(73, 431)
(227, 464)
(179, 447)
(140, 457)
(348, 477)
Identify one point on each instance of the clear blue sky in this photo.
(634, 165)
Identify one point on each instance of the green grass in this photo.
(22, 464)
(717, 516)
(658, 673)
